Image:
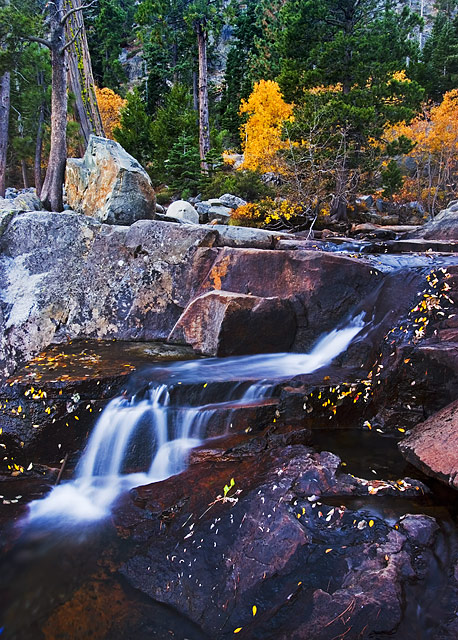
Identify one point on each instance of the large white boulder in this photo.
(109, 185)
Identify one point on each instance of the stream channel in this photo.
(61, 548)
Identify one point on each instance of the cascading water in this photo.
(147, 437)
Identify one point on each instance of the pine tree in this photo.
(173, 119)
(109, 27)
(438, 72)
(135, 130)
(238, 84)
(341, 65)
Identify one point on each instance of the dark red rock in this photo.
(433, 445)
(222, 323)
(323, 287)
(266, 543)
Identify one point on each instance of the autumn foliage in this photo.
(434, 134)
(262, 132)
(110, 105)
(266, 211)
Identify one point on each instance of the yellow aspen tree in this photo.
(435, 136)
(110, 105)
(262, 132)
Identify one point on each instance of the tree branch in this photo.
(66, 16)
(45, 43)
(73, 40)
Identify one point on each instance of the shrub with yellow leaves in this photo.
(265, 211)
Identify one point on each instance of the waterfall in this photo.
(147, 437)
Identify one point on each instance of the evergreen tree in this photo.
(183, 166)
(109, 28)
(238, 84)
(169, 48)
(354, 51)
(30, 96)
(438, 71)
(135, 130)
(173, 119)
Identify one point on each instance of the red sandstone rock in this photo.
(433, 445)
(222, 323)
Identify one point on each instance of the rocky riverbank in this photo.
(265, 534)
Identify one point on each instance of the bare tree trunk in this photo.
(51, 194)
(4, 123)
(204, 126)
(195, 91)
(80, 76)
(38, 150)
(339, 202)
(25, 179)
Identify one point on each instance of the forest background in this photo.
(326, 99)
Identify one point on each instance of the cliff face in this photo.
(135, 66)
(427, 10)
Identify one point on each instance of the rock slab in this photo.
(433, 445)
(223, 323)
(109, 184)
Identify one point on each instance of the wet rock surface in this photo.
(415, 373)
(276, 555)
(48, 408)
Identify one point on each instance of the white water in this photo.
(140, 441)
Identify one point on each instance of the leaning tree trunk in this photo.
(39, 140)
(204, 126)
(51, 194)
(4, 123)
(80, 76)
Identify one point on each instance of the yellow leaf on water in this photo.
(255, 609)
(328, 550)
(238, 629)
(371, 523)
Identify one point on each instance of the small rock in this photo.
(420, 529)
(25, 201)
(365, 201)
(229, 200)
(184, 211)
(219, 213)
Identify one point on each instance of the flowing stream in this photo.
(146, 437)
